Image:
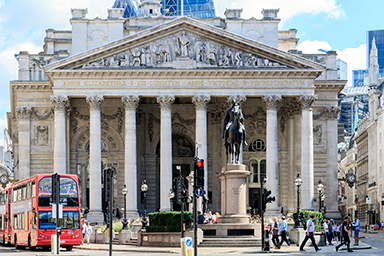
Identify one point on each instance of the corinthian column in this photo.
(95, 213)
(165, 102)
(130, 103)
(307, 151)
(272, 151)
(201, 102)
(59, 143)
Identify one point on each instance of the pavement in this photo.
(215, 250)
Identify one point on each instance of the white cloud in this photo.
(355, 57)
(313, 46)
(288, 9)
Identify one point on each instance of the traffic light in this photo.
(199, 173)
(55, 188)
(267, 198)
(179, 188)
(184, 196)
(107, 183)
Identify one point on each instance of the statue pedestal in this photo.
(234, 194)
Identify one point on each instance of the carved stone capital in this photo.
(201, 101)
(165, 101)
(307, 101)
(95, 101)
(59, 102)
(130, 102)
(271, 101)
(24, 113)
(240, 99)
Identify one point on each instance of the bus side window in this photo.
(33, 189)
(34, 220)
(1, 222)
(5, 221)
(29, 190)
(15, 221)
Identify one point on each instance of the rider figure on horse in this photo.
(228, 121)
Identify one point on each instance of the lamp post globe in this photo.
(298, 182)
(124, 191)
(144, 187)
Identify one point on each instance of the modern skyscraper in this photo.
(192, 8)
(360, 77)
(378, 35)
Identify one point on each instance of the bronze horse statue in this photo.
(234, 132)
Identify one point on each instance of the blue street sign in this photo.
(199, 192)
(189, 242)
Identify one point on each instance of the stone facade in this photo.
(109, 91)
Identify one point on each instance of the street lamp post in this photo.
(125, 192)
(144, 188)
(298, 183)
(320, 190)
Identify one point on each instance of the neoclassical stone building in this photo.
(140, 93)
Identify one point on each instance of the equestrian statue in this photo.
(234, 132)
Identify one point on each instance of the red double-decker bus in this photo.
(30, 212)
(4, 209)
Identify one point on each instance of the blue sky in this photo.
(328, 24)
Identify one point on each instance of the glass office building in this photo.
(379, 37)
(360, 77)
(192, 8)
(131, 7)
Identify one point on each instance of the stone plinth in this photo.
(234, 194)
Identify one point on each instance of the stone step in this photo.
(133, 242)
(230, 242)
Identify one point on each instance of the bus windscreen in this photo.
(68, 192)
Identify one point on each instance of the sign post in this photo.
(55, 207)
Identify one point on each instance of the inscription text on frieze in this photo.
(182, 83)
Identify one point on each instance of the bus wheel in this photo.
(69, 248)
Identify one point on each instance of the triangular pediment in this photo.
(184, 43)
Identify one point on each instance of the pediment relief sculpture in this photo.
(182, 46)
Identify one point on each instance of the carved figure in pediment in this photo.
(202, 53)
(125, 62)
(212, 55)
(113, 62)
(156, 54)
(238, 59)
(41, 135)
(223, 58)
(165, 52)
(145, 56)
(136, 60)
(231, 57)
(184, 45)
(177, 48)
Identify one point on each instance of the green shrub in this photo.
(307, 214)
(168, 221)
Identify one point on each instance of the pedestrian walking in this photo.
(283, 232)
(338, 231)
(356, 224)
(310, 226)
(345, 234)
(275, 233)
(83, 230)
(330, 232)
(89, 232)
(325, 227)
